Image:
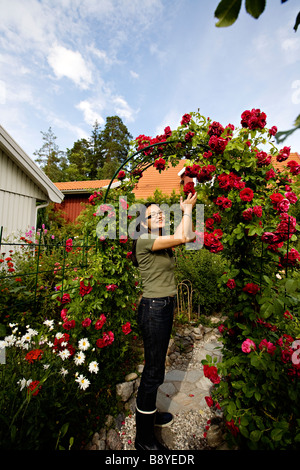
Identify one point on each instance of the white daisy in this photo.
(64, 354)
(49, 323)
(84, 344)
(94, 367)
(83, 382)
(64, 371)
(79, 358)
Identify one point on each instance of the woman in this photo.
(152, 253)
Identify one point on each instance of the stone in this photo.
(113, 440)
(130, 377)
(124, 390)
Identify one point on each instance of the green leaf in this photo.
(276, 434)
(227, 12)
(255, 435)
(255, 7)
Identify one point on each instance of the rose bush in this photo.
(250, 224)
(59, 378)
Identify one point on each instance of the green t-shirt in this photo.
(156, 268)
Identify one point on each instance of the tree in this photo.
(227, 13)
(99, 156)
(50, 158)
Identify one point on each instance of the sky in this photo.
(66, 63)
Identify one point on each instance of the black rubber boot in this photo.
(163, 418)
(145, 439)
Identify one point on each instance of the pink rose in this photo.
(248, 345)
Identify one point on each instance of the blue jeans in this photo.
(155, 319)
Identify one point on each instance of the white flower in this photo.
(46, 366)
(49, 323)
(64, 371)
(32, 332)
(83, 382)
(84, 344)
(10, 340)
(3, 344)
(79, 358)
(64, 354)
(94, 367)
(24, 383)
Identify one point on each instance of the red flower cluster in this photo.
(223, 202)
(217, 144)
(246, 195)
(83, 289)
(294, 167)
(189, 188)
(99, 323)
(251, 288)
(292, 258)
(34, 355)
(106, 340)
(94, 196)
(211, 372)
(212, 242)
(69, 244)
(185, 119)
(263, 159)
(34, 387)
(230, 181)
(126, 328)
(160, 164)
(121, 175)
(63, 343)
(254, 119)
(215, 128)
(283, 154)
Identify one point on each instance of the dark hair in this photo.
(141, 230)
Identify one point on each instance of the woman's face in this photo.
(155, 217)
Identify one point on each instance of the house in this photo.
(76, 193)
(24, 188)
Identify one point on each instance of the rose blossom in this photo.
(185, 119)
(270, 347)
(246, 195)
(248, 345)
(251, 288)
(126, 328)
(231, 283)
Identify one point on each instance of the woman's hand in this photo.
(190, 200)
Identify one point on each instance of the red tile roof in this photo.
(166, 181)
(78, 185)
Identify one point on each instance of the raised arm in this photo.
(184, 233)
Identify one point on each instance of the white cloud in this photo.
(70, 64)
(123, 109)
(89, 114)
(134, 75)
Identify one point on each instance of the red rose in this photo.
(273, 131)
(121, 175)
(254, 119)
(84, 290)
(189, 188)
(246, 195)
(217, 144)
(69, 325)
(106, 340)
(283, 154)
(209, 401)
(185, 119)
(126, 328)
(216, 129)
(247, 214)
(64, 299)
(99, 323)
(159, 164)
(188, 136)
(69, 244)
(231, 284)
(251, 288)
(294, 167)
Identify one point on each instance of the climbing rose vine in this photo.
(250, 221)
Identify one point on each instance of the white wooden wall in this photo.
(18, 196)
